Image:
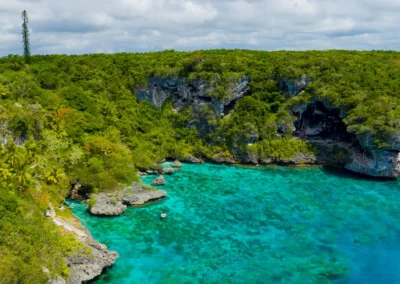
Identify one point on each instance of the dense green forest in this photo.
(77, 118)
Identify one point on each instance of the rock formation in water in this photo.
(139, 194)
(115, 204)
(106, 205)
(176, 164)
(159, 181)
(168, 171)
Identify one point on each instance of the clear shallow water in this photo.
(229, 224)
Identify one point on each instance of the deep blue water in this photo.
(230, 224)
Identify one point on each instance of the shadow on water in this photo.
(343, 173)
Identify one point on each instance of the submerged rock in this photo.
(176, 164)
(106, 205)
(139, 194)
(159, 181)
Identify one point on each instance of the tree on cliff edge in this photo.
(25, 36)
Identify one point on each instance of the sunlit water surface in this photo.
(229, 224)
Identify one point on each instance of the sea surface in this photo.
(228, 224)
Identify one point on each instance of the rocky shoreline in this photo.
(340, 155)
(89, 262)
(84, 268)
(93, 258)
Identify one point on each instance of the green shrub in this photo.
(92, 201)
(113, 201)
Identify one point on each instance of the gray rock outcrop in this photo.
(169, 171)
(376, 163)
(292, 87)
(106, 205)
(184, 93)
(223, 159)
(377, 160)
(159, 181)
(57, 280)
(84, 266)
(176, 164)
(299, 159)
(140, 174)
(193, 160)
(139, 194)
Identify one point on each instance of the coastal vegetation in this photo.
(76, 118)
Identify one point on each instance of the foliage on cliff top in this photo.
(100, 84)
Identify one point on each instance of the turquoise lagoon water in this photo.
(231, 224)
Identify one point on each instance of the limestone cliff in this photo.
(375, 160)
(322, 124)
(184, 93)
(316, 122)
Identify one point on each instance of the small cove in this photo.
(229, 224)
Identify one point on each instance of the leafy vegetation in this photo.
(69, 118)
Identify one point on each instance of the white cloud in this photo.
(212, 38)
(84, 26)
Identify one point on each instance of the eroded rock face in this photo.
(377, 156)
(138, 194)
(84, 266)
(222, 159)
(319, 121)
(299, 159)
(106, 205)
(193, 160)
(321, 124)
(184, 94)
(377, 163)
(292, 87)
(388, 142)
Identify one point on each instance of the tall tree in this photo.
(25, 35)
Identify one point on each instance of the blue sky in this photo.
(92, 26)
